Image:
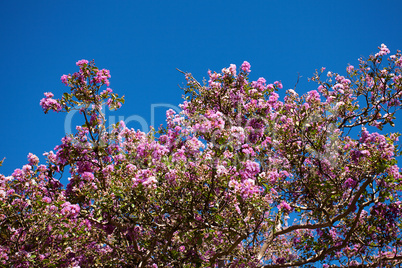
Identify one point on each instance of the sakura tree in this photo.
(239, 178)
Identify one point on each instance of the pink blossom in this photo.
(245, 67)
(64, 79)
(33, 159)
(350, 183)
(81, 62)
(383, 50)
(259, 84)
(350, 68)
(50, 104)
(313, 96)
(48, 94)
(278, 84)
(232, 69)
(273, 176)
(46, 200)
(284, 206)
(88, 176)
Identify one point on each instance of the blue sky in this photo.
(143, 42)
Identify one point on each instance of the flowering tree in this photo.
(238, 179)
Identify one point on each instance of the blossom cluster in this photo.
(241, 177)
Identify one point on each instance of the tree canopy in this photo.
(239, 178)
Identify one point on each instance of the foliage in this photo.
(238, 179)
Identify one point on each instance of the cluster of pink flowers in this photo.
(246, 188)
(285, 207)
(383, 51)
(81, 62)
(245, 67)
(33, 159)
(102, 76)
(48, 103)
(64, 79)
(313, 97)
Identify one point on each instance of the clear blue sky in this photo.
(143, 42)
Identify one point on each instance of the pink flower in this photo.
(284, 206)
(2, 193)
(349, 183)
(246, 67)
(33, 159)
(350, 68)
(313, 96)
(273, 176)
(150, 182)
(251, 169)
(232, 69)
(278, 84)
(48, 94)
(64, 79)
(49, 104)
(26, 168)
(46, 200)
(81, 62)
(70, 210)
(320, 88)
(10, 192)
(383, 50)
(102, 77)
(88, 176)
(221, 170)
